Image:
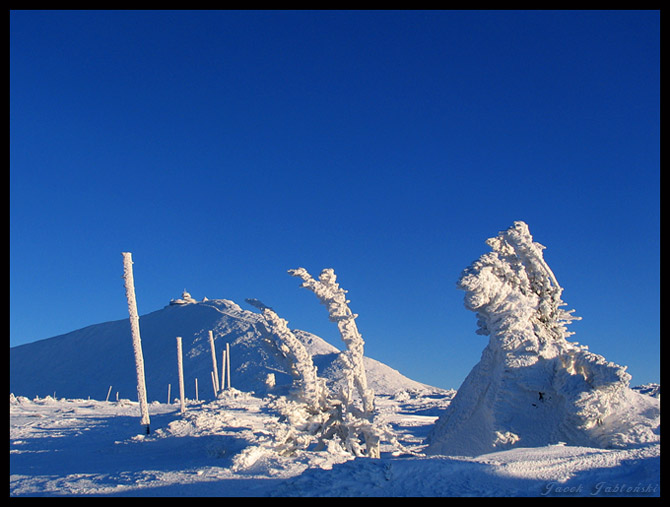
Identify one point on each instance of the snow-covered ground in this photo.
(225, 448)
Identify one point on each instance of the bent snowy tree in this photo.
(333, 297)
(310, 389)
(532, 387)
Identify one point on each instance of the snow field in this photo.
(226, 447)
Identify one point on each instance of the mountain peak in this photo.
(86, 362)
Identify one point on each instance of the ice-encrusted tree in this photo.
(532, 386)
(333, 297)
(313, 416)
(311, 389)
(514, 292)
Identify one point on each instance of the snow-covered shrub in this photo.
(531, 386)
(333, 429)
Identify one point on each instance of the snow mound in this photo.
(532, 387)
(86, 362)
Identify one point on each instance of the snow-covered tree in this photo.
(333, 297)
(137, 342)
(314, 416)
(310, 388)
(513, 286)
(531, 386)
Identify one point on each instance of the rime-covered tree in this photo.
(310, 388)
(333, 297)
(531, 386)
(515, 294)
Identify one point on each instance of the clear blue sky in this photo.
(224, 148)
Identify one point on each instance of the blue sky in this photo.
(223, 148)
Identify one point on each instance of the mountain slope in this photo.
(86, 362)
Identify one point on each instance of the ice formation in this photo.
(532, 387)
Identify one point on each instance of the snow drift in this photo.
(86, 362)
(532, 387)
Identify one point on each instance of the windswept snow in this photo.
(226, 448)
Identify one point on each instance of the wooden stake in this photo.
(181, 376)
(137, 342)
(223, 370)
(228, 363)
(214, 367)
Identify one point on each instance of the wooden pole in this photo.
(223, 370)
(180, 366)
(228, 363)
(215, 369)
(137, 342)
(196, 389)
(169, 387)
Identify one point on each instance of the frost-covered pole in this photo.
(223, 369)
(196, 389)
(228, 363)
(180, 367)
(215, 369)
(137, 342)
